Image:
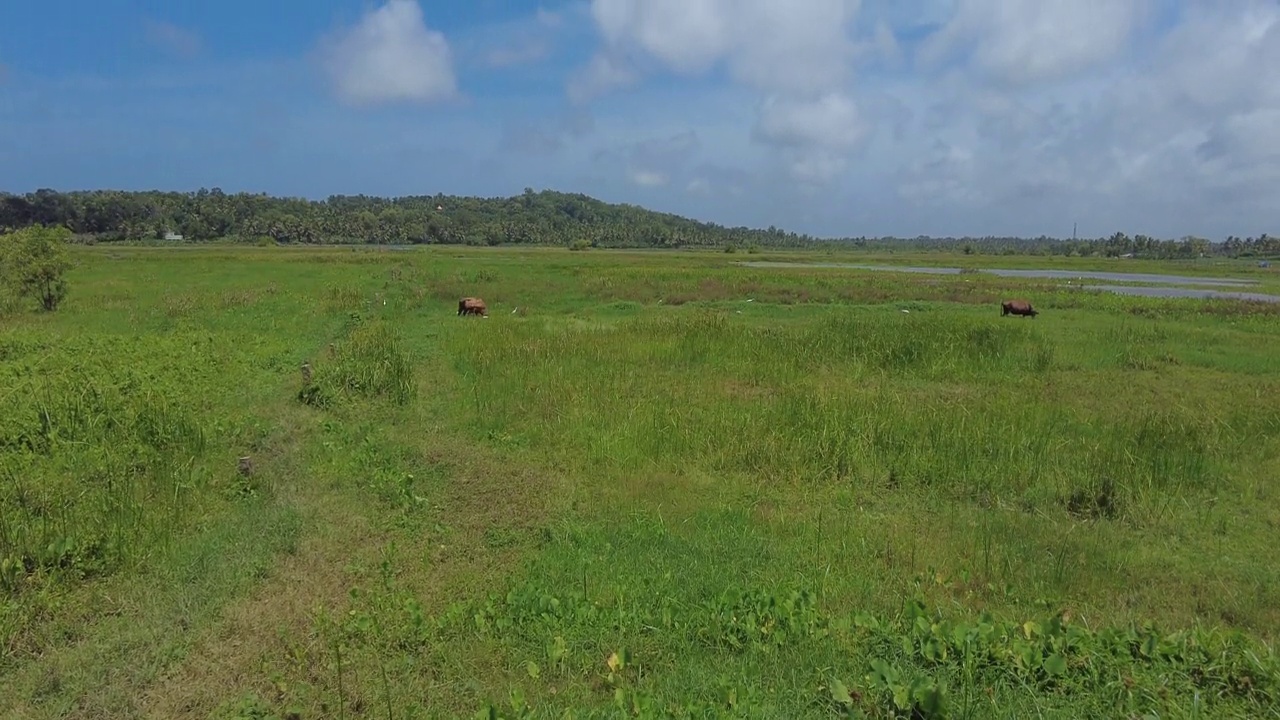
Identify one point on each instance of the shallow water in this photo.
(1060, 274)
(1179, 292)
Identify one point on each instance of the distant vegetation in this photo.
(531, 218)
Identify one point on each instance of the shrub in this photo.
(32, 263)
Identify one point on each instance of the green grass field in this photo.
(650, 484)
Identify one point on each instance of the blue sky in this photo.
(834, 117)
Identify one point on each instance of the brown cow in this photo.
(1017, 307)
(472, 306)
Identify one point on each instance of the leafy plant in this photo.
(33, 261)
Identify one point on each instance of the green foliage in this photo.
(919, 658)
(109, 446)
(847, 389)
(369, 363)
(545, 218)
(33, 261)
(916, 664)
(95, 459)
(122, 420)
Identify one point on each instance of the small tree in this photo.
(32, 263)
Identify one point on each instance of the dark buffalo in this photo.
(1017, 307)
(472, 306)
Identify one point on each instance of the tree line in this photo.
(1116, 245)
(541, 218)
(546, 217)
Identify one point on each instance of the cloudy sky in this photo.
(834, 117)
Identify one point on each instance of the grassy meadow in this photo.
(649, 484)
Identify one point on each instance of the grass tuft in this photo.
(370, 363)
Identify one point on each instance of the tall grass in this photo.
(119, 435)
(370, 362)
(97, 455)
(959, 405)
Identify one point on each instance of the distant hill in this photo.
(546, 217)
(535, 218)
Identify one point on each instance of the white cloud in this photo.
(885, 45)
(648, 178)
(831, 121)
(716, 180)
(798, 55)
(816, 136)
(1219, 57)
(604, 72)
(390, 56)
(1026, 117)
(698, 186)
(1028, 41)
(172, 39)
(801, 46)
(909, 15)
(945, 173)
(653, 162)
(686, 35)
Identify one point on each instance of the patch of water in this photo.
(1178, 292)
(1060, 274)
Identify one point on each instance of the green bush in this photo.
(32, 263)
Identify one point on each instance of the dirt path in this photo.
(225, 663)
(268, 637)
(273, 636)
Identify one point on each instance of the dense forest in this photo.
(546, 217)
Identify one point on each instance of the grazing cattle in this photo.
(472, 306)
(1017, 307)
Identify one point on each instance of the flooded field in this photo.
(1171, 283)
(1005, 272)
(1181, 292)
